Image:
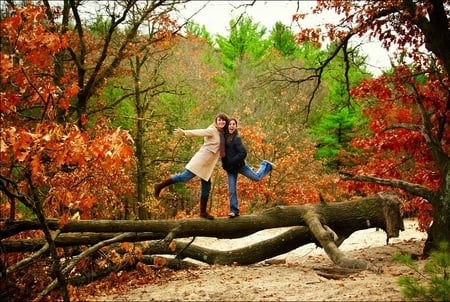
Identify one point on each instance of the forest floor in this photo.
(300, 275)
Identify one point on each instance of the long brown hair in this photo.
(222, 132)
(228, 136)
(224, 117)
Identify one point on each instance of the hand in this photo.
(178, 132)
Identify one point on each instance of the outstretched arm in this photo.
(195, 132)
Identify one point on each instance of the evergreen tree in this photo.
(334, 130)
(282, 39)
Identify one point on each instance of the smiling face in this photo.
(220, 122)
(232, 126)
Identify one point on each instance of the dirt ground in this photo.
(299, 275)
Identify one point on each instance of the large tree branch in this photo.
(326, 224)
(435, 28)
(411, 188)
(434, 145)
(327, 240)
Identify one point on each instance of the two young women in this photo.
(218, 141)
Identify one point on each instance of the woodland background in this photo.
(89, 101)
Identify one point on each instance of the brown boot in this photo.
(161, 185)
(203, 213)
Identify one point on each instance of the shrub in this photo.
(433, 282)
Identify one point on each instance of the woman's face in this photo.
(221, 123)
(232, 126)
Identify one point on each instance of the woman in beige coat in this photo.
(203, 162)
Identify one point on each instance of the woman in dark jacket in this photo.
(234, 163)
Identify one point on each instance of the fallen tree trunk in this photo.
(326, 224)
(381, 210)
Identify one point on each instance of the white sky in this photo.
(215, 16)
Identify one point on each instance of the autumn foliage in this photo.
(396, 147)
(46, 160)
(408, 107)
(58, 161)
(47, 163)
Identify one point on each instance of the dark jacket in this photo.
(235, 153)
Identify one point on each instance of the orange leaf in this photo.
(159, 262)
(172, 246)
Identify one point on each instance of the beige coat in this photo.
(204, 161)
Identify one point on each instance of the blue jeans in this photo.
(187, 175)
(263, 170)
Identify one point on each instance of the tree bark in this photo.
(325, 224)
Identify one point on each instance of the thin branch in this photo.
(77, 259)
(21, 264)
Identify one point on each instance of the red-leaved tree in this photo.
(409, 107)
(47, 163)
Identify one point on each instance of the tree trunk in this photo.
(326, 224)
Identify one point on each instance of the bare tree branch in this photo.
(411, 188)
